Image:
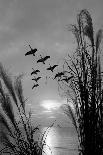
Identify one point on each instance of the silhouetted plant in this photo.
(18, 133)
(85, 87)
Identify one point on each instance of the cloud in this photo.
(41, 23)
(46, 111)
(52, 117)
(50, 104)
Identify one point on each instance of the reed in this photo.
(17, 135)
(85, 88)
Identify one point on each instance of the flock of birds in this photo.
(50, 68)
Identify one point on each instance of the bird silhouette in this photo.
(35, 85)
(35, 71)
(43, 59)
(36, 79)
(66, 79)
(51, 68)
(59, 74)
(32, 51)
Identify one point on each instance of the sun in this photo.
(50, 104)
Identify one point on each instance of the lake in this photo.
(61, 141)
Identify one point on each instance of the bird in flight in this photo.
(35, 85)
(43, 59)
(59, 74)
(51, 68)
(36, 79)
(32, 51)
(35, 71)
(66, 79)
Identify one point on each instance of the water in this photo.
(61, 141)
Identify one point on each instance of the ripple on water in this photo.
(61, 141)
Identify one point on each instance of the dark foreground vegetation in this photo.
(81, 81)
(17, 133)
(85, 88)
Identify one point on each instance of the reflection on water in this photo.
(60, 141)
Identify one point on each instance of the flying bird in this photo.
(35, 71)
(35, 85)
(66, 79)
(51, 68)
(59, 74)
(43, 59)
(36, 79)
(32, 51)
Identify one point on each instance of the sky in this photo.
(44, 25)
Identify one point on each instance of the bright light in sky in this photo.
(50, 104)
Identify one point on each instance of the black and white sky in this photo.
(42, 24)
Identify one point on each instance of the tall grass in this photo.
(17, 134)
(85, 88)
